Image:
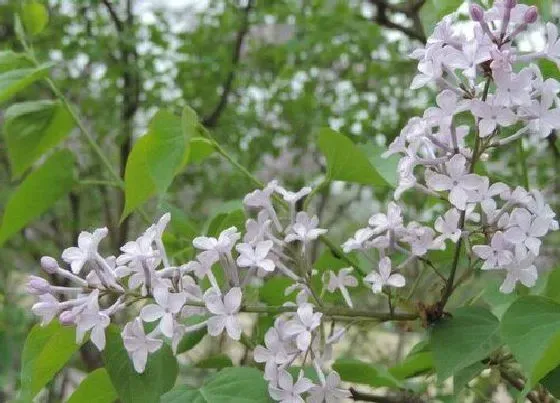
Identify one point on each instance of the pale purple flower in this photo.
(303, 325)
(448, 225)
(89, 317)
(287, 391)
(257, 256)
(525, 230)
(329, 390)
(358, 241)
(138, 344)
(341, 280)
(492, 114)
(86, 251)
(225, 312)
(304, 229)
(523, 271)
(220, 246)
(496, 255)
(274, 352)
(457, 180)
(553, 43)
(392, 221)
(383, 277)
(167, 306)
(47, 308)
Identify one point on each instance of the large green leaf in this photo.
(531, 329)
(156, 158)
(386, 167)
(365, 373)
(31, 128)
(10, 60)
(166, 148)
(95, 388)
(230, 385)
(462, 339)
(418, 362)
(218, 361)
(34, 17)
(47, 349)
(346, 161)
(552, 382)
(13, 81)
(200, 149)
(552, 289)
(38, 192)
(132, 387)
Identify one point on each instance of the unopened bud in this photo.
(477, 13)
(37, 285)
(49, 264)
(531, 15)
(67, 318)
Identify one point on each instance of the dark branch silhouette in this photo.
(212, 119)
(411, 10)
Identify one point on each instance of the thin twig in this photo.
(212, 119)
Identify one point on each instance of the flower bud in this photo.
(477, 13)
(37, 285)
(67, 318)
(49, 264)
(531, 15)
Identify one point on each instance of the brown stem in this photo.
(367, 397)
(212, 119)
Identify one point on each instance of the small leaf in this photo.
(132, 387)
(34, 17)
(95, 388)
(47, 349)
(531, 329)
(31, 129)
(345, 161)
(38, 192)
(463, 339)
(464, 376)
(13, 81)
(365, 373)
(230, 385)
(190, 340)
(222, 221)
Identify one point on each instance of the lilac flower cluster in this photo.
(483, 77)
(501, 225)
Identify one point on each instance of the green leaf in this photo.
(531, 329)
(47, 349)
(345, 161)
(218, 361)
(190, 340)
(166, 148)
(230, 385)
(10, 60)
(222, 221)
(38, 192)
(552, 289)
(272, 291)
(365, 373)
(552, 382)
(155, 160)
(459, 341)
(415, 364)
(13, 81)
(34, 17)
(386, 167)
(138, 185)
(95, 388)
(465, 375)
(31, 129)
(200, 149)
(158, 378)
